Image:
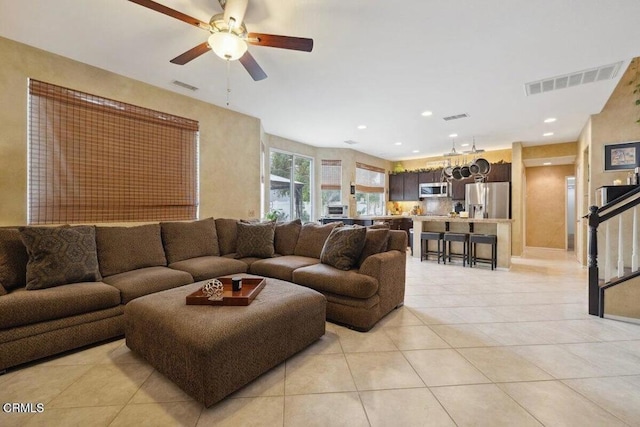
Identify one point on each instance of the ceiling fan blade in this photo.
(191, 54)
(172, 13)
(249, 63)
(283, 42)
(235, 9)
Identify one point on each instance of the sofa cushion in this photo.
(286, 236)
(255, 240)
(281, 267)
(325, 278)
(312, 238)
(122, 249)
(227, 230)
(23, 307)
(375, 242)
(184, 240)
(3, 291)
(60, 255)
(144, 281)
(13, 259)
(343, 247)
(208, 267)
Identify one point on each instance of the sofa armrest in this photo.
(390, 270)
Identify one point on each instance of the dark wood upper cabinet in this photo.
(458, 188)
(500, 172)
(396, 187)
(411, 191)
(430, 177)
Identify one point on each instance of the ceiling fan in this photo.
(229, 36)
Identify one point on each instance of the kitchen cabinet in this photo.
(403, 187)
(411, 191)
(500, 172)
(458, 188)
(396, 187)
(430, 177)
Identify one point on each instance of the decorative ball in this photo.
(213, 289)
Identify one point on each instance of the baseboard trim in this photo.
(622, 319)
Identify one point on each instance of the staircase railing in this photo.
(599, 281)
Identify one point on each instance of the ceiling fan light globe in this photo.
(227, 45)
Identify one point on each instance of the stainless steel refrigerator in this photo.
(488, 199)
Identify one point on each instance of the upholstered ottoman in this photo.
(211, 351)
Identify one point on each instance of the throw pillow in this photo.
(123, 249)
(255, 240)
(375, 242)
(60, 255)
(312, 237)
(286, 236)
(343, 247)
(185, 240)
(13, 259)
(227, 231)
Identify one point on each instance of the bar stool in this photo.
(486, 239)
(425, 236)
(456, 237)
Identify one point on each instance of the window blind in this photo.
(331, 175)
(93, 159)
(369, 179)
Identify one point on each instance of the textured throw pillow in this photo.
(374, 243)
(13, 259)
(60, 255)
(185, 240)
(343, 247)
(286, 236)
(312, 237)
(123, 249)
(255, 240)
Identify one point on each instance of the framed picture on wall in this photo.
(621, 156)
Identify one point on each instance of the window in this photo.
(369, 189)
(93, 159)
(331, 185)
(290, 186)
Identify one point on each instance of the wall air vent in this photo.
(184, 85)
(456, 117)
(351, 142)
(592, 75)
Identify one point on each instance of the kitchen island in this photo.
(497, 226)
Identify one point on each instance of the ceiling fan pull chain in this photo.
(228, 82)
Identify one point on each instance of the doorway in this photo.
(571, 212)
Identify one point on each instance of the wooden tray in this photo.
(251, 286)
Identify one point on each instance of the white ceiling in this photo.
(377, 63)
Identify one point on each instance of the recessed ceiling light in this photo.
(550, 120)
(415, 151)
(362, 127)
(427, 113)
(453, 135)
(546, 164)
(397, 143)
(464, 145)
(547, 134)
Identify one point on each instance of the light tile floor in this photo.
(470, 347)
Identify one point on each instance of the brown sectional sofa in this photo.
(43, 319)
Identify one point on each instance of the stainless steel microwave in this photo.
(434, 189)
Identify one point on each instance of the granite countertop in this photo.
(433, 218)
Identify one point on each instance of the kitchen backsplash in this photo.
(432, 206)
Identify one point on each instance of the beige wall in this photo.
(438, 161)
(229, 141)
(546, 206)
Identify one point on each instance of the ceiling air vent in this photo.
(351, 142)
(592, 75)
(184, 85)
(456, 117)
